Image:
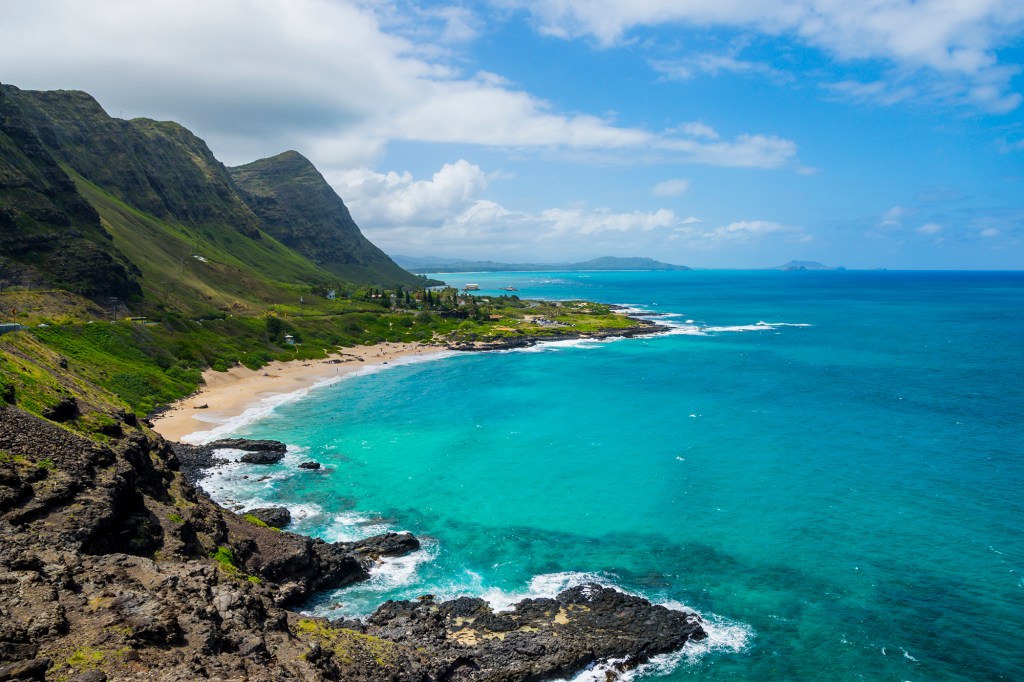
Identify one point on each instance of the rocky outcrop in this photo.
(275, 517)
(639, 328)
(112, 566)
(272, 446)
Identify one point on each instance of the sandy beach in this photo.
(226, 395)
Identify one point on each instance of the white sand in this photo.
(229, 394)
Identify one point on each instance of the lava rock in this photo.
(65, 410)
(262, 457)
(309, 465)
(275, 517)
(250, 445)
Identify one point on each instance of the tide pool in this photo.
(827, 466)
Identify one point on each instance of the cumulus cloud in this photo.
(671, 188)
(955, 40)
(930, 228)
(339, 80)
(394, 198)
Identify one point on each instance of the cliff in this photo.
(115, 568)
(302, 211)
(49, 233)
(142, 210)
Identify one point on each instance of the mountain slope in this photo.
(49, 233)
(142, 210)
(159, 167)
(299, 208)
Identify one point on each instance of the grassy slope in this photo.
(239, 274)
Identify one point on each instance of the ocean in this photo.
(828, 466)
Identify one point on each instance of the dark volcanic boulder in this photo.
(262, 457)
(63, 411)
(389, 544)
(256, 451)
(276, 517)
(250, 445)
(539, 638)
(309, 465)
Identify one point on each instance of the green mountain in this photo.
(302, 211)
(49, 234)
(426, 264)
(142, 210)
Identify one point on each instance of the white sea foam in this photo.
(546, 585)
(723, 636)
(351, 525)
(396, 572)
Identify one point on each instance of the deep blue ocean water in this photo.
(829, 466)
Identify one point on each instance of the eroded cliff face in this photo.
(299, 208)
(112, 566)
(49, 233)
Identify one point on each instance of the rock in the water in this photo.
(262, 457)
(388, 544)
(276, 517)
(250, 445)
(309, 465)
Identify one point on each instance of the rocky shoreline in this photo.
(641, 328)
(114, 566)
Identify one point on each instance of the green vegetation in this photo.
(258, 522)
(86, 658)
(146, 365)
(225, 556)
(137, 261)
(176, 518)
(348, 645)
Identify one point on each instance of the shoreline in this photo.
(225, 396)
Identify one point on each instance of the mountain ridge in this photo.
(106, 207)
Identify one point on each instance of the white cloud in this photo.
(671, 188)
(697, 129)
(956, 40)
(739, 232)
(989, 232)
(892, 217)
(394, 198)
(930, 228)
(714, 65)
(338, 80)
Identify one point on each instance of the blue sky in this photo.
(711, 133)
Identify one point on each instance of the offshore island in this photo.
(136, 269)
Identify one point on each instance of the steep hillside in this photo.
(300, 209)
(49, 234)
(158, 167)
(142, 210)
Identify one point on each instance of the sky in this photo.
(708, 133)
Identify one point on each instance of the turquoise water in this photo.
(838, 489)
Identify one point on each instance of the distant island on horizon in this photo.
(424, 264)
(435, 264)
